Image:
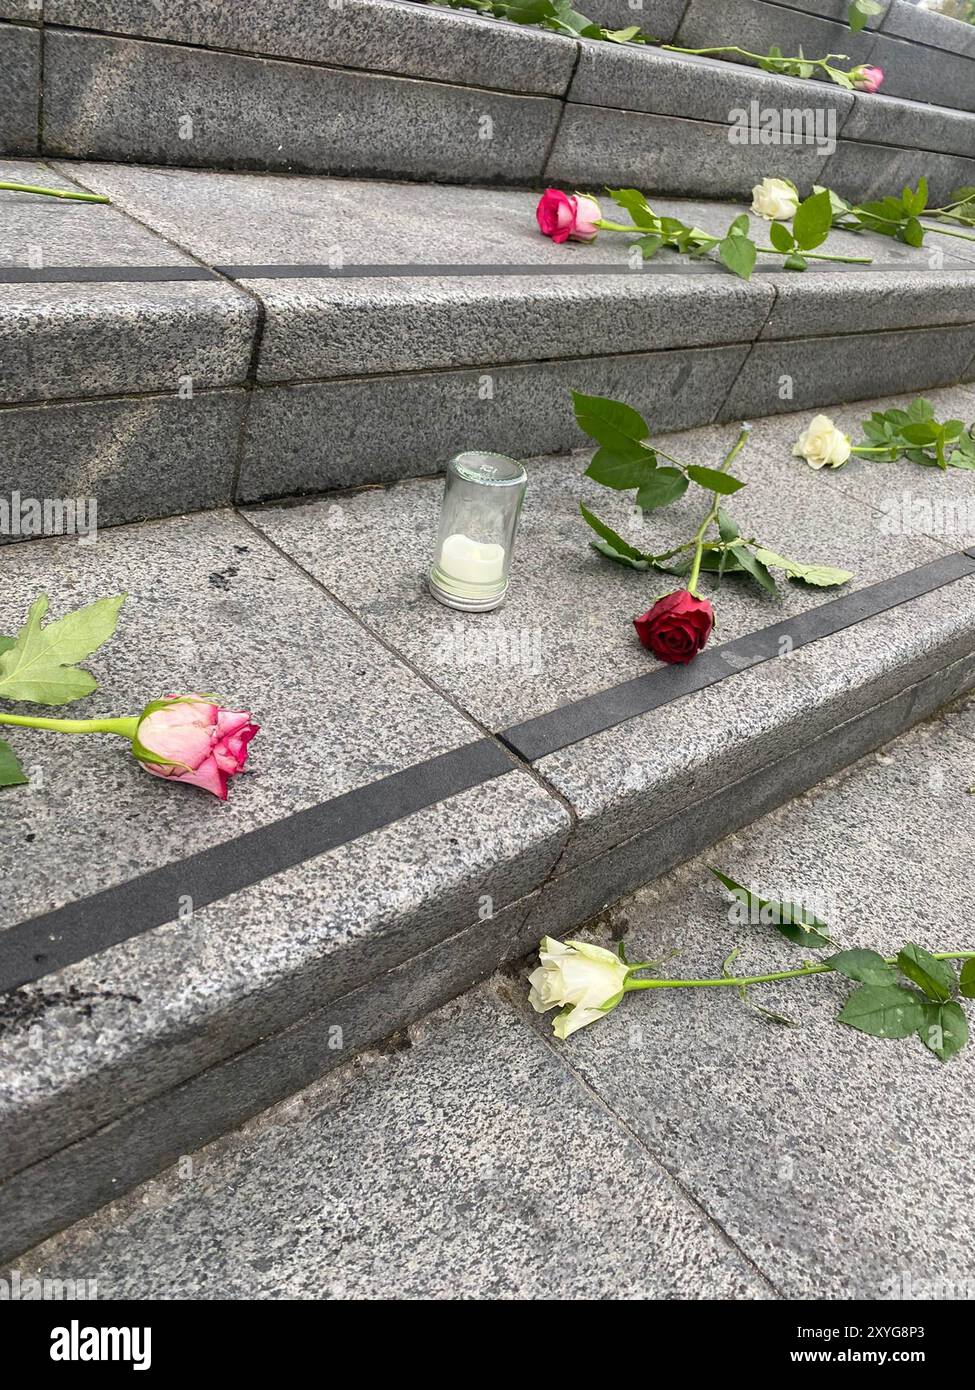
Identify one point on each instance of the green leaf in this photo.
(40, 667)
(780, 237)
(6, 643)
(862, 10)
(663, 486)
(11, 772)
(753, 566)
(606, 549)
(795, 262)
(624, 467)
(869, 967)
(727, 529)
(967, 983)
(813, 219)
(943, 1029)
(621, 35)
(650, 245)
(609, 422)
(739, 254)
(621, 548)
(822, 576)
(714, 481)
(935, 978)
(634, 202)
(918, 410)
(796, 923)
(883, 1011)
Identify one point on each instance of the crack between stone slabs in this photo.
(687, 1193)
(318, 64)
(563, 104)
(250, 379)
(941, 541)
(518, 762)
(719, 413)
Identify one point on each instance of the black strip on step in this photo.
(146, 274)
(102, 274)
(549, 733)
(81, 929)
(411, 271)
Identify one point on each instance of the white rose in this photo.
(586, 981)
(822, 443)
(775, 200)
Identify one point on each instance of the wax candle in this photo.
(470, 562)
(475, 540)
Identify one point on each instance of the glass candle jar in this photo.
(478, 520)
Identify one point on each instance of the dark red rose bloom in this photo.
(677, 627)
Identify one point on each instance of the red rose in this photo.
(561, 216)
(677, 627)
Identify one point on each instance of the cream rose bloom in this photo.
(581, 979)
(775, 199)
(822, 443)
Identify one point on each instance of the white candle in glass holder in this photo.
(470, 562)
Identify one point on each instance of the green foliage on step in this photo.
(626, 460)
(861, 11)
(555, 15)
(39, 664)
(736, 250)
(11, 772)
(916, 435)
(796, 923)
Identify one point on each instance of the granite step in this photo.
(386, 89)
(431, 792)
(216, 338)
(470, 1161)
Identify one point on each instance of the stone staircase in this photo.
(257, 358)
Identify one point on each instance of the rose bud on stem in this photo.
(679, 625)
(568, 216)
(183, 738)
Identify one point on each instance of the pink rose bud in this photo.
(564, 215)
(677, 627)
(188, 738)
(867, 79)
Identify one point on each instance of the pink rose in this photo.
(564, 215)
(867, 79)
(191, 739)
(677, 627)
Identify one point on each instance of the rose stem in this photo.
(716, 497)
(55, 192)
(771, 977)
(125, 727)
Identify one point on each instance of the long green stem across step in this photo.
(125, 727)
(762, 250)
(54, 192)
(738, 981)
